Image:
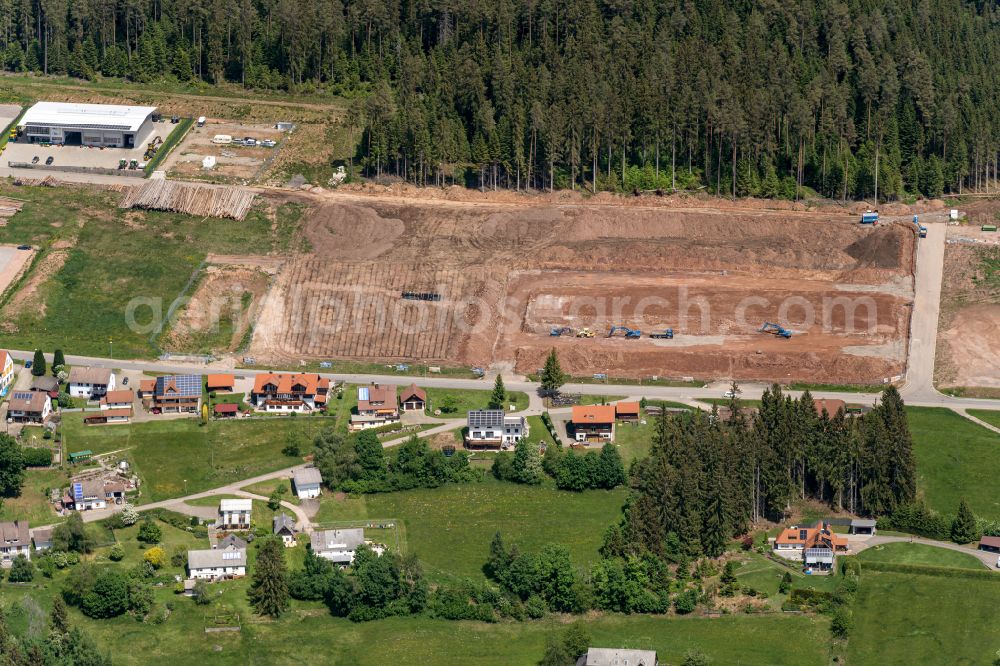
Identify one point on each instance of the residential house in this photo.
(175, 394)
(221, 383)
(42, 539)
(617, 657)
(817, 546)
(46, 384)
(217, 563)
(862, 526)
(284, 393)
(627, 411)
(990, 544)
(114, 492)
(377, 406)
(85, 495)
(307, 482)
(116, 407)
(413, 399)
(284, 527)
(14, 540)
(226, 411)
(90, 383)
(29, 407)
(338, 546)
(494, 429)
(6, 372)
(231, 541)
(593, 423)
(234, 514)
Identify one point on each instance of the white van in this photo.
(201, 121)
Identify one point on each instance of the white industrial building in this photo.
(102, 125)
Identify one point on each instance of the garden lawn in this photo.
(169, 452)
(955, 459)
(919, 554)
(33, 503)
(464, 400)
(991, 416)
(907, 619)
(537, 432)
(450, 528)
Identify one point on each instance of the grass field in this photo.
(96, 259)
(955, 458)
(538, 432)
(919, 554)
(907, 619)
(466, 399)
(179, 457)
(991, 416)
(33, 504)
(449, 528)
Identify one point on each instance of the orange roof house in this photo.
(413, 398)
(593, 423)
(285, 392)
(831, 406)
(222, 382)
(627, 411)
(818, 536)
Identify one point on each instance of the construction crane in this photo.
(775, 329)
(666, 335)
(585, 333)
(629, 333)
(557, 331)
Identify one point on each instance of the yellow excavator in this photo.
(585, 333)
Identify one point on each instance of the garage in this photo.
(96, 125)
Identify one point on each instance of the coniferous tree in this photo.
(269, 586)
(552, 375)
(38, 364)
(498, 400)
(965, 528)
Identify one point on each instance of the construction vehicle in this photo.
(629, 333)
(585, 333)
(151, 147)
(775, 329)
(922, 231)
(869, 217)
(558, 331)
(666, 335)
(122, 164)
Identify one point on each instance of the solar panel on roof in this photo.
(186, 384)
(78, 491)
(21, 395)
(363, 393)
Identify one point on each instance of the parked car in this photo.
(249, 141)
(28, 364)
(50, 159)
(23, 247)
(124, 381)
(175, 119)
(269, 143)
(729, 394)
(34, 160)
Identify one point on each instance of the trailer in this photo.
(869, 217)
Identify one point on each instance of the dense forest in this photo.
(705, 481)
(848, 98)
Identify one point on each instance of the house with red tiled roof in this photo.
(413, 399)
(116, 407)
(220, 383)
(593, 423)
(284, 393)
(817, 545)
(830, 406)
(627, 411)
(377, 406)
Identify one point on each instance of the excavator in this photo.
(775, 329)
(629, 333)
(558, 331)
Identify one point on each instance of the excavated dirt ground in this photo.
(968, 354)
(508, 270)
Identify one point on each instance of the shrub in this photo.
(22, 570)
(117, 553)
(686, 602)
(155, 556)
(37, 457)
(178, 557)
(535, 607)
(843, 622)
(150, 532)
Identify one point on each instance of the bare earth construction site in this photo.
(497, 277)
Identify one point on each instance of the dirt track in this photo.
(508, 271)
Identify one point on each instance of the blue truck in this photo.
(869, 217)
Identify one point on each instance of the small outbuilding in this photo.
(862, 526)
(990, 544)
(307, 482)
(284, 528)
(226, 411)
(617, 657)
(413, 399)
(221, 383)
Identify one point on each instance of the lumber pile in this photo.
(203, 200)
(8, 209)
(48, 181)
